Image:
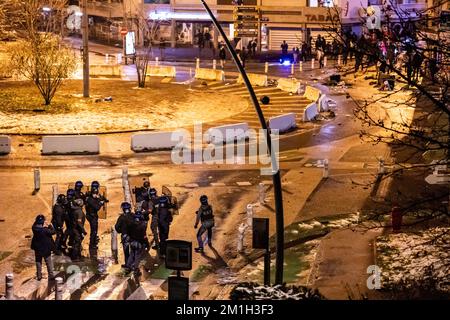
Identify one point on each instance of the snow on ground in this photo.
(155, 107)
(414, 258)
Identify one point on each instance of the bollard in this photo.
(197, 63)
(301, 66)
(9, 281)
(107, 58)
(241, 231)
(381, 169)
(59, 288)
(55, 192)
(37, 179)
(325, 168)
(325, 61)
(157, 61)
(124, 175)
(249, 215)
(214, 64)
(114, 248)
(119, 58)
(312, 63)
(396, 218)
(339, 60)
(262, 193)
(266, 67)
(292, 69)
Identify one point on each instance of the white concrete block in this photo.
(161, 71)
(312, 93)
(256, 79)
(70, 145)
(209, 74)
(289, 85)
(283, 123)
(227, 133)
(5, 144)
(310, 112)
(156, 140)
(111, 70)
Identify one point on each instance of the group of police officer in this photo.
(72, 210)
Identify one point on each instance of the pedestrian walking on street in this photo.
(206, 217)
(222, 54)
(162, 48)
(43, 245)
(254, 46)
(284, 48)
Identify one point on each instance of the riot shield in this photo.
(136, 183)
(173, 200)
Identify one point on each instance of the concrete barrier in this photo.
(209, 74)
(70, 145)
(310, 112)
(156, 141)
(5, 144)
(290, 85)
(283, 123)
(227, 133)
(161, 71)
(111, 70)
(325, 103)
(256, 79)
(312, 94)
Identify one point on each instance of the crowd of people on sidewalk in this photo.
(72, 209)
(386, 49)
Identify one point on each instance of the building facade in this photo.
(180, 21)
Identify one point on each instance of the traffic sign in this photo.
(438, 179)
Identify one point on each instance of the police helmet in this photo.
(204, 199)
(78, 185)
(138, 216)
(163, 201)
(61, 199)
(95, 184)
(40, 219)
(146, 184)
(152, 192)
(70, 194)
(126, 207)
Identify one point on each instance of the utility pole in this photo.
(85, 32)
(276, 177)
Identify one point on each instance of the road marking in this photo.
(217, 184)
(191, 185)
(243, 183)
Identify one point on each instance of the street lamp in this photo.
(278, 195)
(85, 35)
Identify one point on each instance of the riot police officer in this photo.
(151, 208)
(206, 217)
(59, 217)
(78, 218)
(141, 193)
(165, 218)
(138, 242)
(94, 202)
(122, 226)
(70, 197)
(79, 194)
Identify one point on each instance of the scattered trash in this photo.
(254, 291)
(108, 99)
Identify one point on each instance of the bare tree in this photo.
(40, 55)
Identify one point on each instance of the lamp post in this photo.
(279, 215)
(85, 33)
